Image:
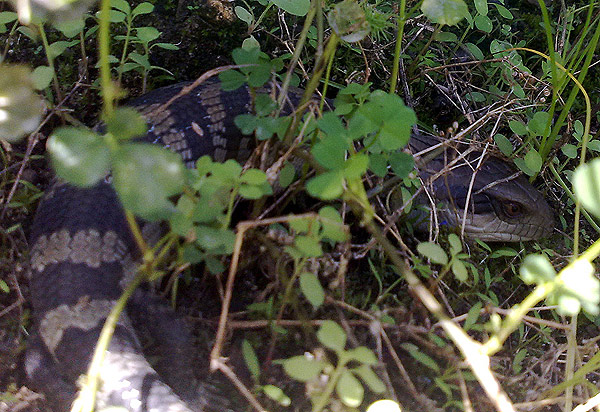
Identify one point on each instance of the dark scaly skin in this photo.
(83, 254)
(502, 205)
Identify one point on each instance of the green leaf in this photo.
(145, 176)
(232, 80)
(295, 7)
(475, 51)
(302, 368)
(363, 355)
(166, 46)
(533, 160)
(386, 114)
(250, 42)
(302, 225)
(433, 251)
(126, 123)
(503, 11)
(445, 36)
(402, 163)
(586, 185)
(356, 166)
(309, 246)
(332, 336)
(593, 145)
(7, 17)
(482, 7)
(569, 150)
(448, 12)
(520, 163)
(421, 357)
(42, 77)
(579, 288)
(503, 252)
(287, 175)
(147, 34)
(251, 359)
(459, 270)
(370, 378)
(122, 5)
(504, 144)
(330, 152)
(70, 28)
(251, 192)
(536, 269)
(332, 226)
(538, 124)
(78, 155)
(378, 164)
(58, 47)
(243, 14)
(311, 288)
(472, 316)
(483, 23)
(4, 286)
(253, 177)
(215, 240)
(348, 21)
(142, 60)
(350, 390)
(20, 107)
(519, 357)
(277, 395)
(142, 8)
(517, 127)
(259, 75)
(115, 16)
(326, 186)
(455, 244)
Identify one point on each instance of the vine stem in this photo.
(104, 51)
(398, 48)
(87, 396)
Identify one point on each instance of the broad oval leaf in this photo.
(145, 176)
(311, 288)
(326, 186)
(448, 12)
(277, 395)
(363, 355)
(536, 269)
(586, 184)
(78, 155)
(243, 14)
(147, 34)
(20, 107)
(332, 225)
(302, 368)
(42, 76)
(295, 7)
(125, 123)
(433, 251)
(143, 8)
(370, 378)
(251, 359)
(332, 335)
(350, 390)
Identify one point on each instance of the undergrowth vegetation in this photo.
(358, 306)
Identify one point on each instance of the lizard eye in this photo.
(512, 209)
